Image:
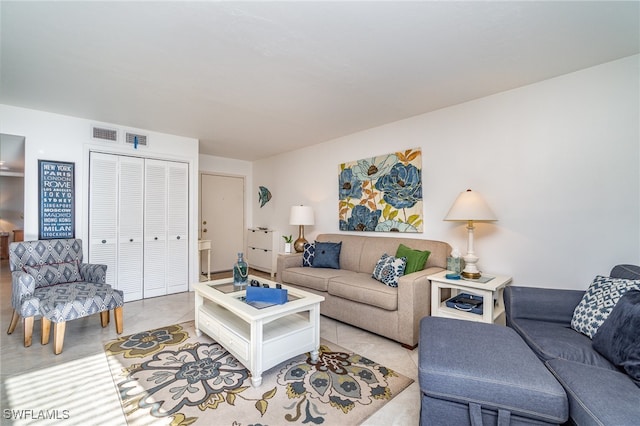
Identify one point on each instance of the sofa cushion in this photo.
(597, 302)
(389, 269)
(313, 278)
(487, 365)
(327, 255)
(361, 288)
(416, 259)
(618, 337)
(308, 254)
(54, 273)
(597, 396)
(550, 340)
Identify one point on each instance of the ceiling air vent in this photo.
(104, 134)
(136, 140)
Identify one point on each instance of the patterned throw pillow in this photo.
(389, 269)
(308, 254)
(54, 273)
(598, 301)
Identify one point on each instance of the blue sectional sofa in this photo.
(598, 392)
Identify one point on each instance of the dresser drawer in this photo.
(234, 343)
(260, 257)
(260, 239)
(210, 325)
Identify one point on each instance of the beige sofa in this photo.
(353, 296)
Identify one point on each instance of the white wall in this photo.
(11, 204)
(557, 161)
(63, 138)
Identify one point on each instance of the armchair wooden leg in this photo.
(28, 331)
(14, 321)
(58, 337)
(46, 331)
(117, 313)
(104, 318)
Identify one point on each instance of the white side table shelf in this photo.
(491, 293)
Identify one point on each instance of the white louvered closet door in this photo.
(177, 227)
(103, 213)
(130, 227)
(155, 228)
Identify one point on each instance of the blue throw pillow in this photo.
(308, 254)
(389, 269)
(618, 338)
(327, 255)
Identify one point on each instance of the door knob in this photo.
(204, 230)
(204, 223)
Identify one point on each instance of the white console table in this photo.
(206, 245)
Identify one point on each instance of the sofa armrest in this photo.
(287, 261)
(543, 304)
(414, 303)
(93, 273)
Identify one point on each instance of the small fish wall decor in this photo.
(264, 195)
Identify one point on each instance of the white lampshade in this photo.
(301, 215)
(470, 206)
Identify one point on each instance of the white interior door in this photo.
(103, 213)
(130, 226)
(177, 227)
(155, 228)
(222, 219)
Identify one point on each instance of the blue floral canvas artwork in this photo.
(382, 194)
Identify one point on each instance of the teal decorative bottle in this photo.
(240, 272)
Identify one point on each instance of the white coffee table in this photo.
(258, 338)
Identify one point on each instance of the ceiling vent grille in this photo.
(136, 139)
(104, 134)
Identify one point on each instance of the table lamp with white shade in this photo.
(470, 207)
(301, 215)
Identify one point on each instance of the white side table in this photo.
(491, 293)
(206, 245)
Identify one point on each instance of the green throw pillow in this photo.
(416, 259)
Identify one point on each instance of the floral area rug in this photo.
(170, 376)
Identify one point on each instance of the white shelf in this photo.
(272, 330)
(491, 290)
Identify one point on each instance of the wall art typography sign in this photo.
(382, 194)
(57, 199)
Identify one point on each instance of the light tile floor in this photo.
(76, 387)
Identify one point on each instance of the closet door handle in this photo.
(178, 237)
(155, 238)
(104, 241)
(130, 240)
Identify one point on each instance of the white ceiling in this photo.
(254, 79)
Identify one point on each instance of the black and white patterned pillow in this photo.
(308, 254)
(389, 269)
(54, 273)
(598, 301)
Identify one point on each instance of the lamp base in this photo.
(298, 245)
(471, 275)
